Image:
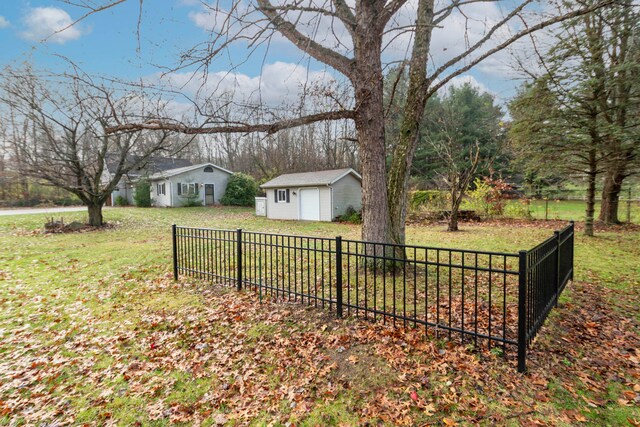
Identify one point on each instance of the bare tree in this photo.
(358, 34)
(56, 130)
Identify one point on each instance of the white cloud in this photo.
(49, 24)
(460, 81)
(3, 22)
(279, 84)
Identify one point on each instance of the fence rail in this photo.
(486, 298)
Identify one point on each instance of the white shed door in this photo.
(310, 204)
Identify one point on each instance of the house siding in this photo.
(346, 192)
(218, 178)
(124, 189)
(161, 199)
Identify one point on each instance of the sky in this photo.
(132, 43)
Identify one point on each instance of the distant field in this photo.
(575, 210)
(94, 331)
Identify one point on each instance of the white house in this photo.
(204, 182)
(314, 196)
(126, 185)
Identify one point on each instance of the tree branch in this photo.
(268, 128)
(304, 43)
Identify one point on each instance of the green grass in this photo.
(92, 327)
(575, 210)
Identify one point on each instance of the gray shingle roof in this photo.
(155, 164)
(176, 171)
(307, 179)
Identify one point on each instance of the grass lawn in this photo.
(575, 210)
(93, 331)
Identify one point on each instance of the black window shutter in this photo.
(179, 189)
(275, 193)
(287, 195)
(197, 188)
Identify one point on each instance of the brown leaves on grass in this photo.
(222, 356)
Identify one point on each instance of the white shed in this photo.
(313, 196)
(205, 182)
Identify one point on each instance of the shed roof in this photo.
(308, 179)
(177, 171)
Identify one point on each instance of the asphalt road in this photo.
(53, 210)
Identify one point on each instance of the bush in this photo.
(430, 199)
(142, 194)
(121, 201)
(241, 191)
(351, 215)
(487, 196)
(67, 201)
(191, 200)
(518, 209)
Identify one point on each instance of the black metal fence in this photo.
(486, 298)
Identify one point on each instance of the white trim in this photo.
(350, 171)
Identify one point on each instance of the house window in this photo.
(161, 189)
(187, 189)
(208, 169)
(282, 196)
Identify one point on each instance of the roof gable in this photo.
(177, 171)
(307, 179)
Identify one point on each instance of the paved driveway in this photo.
(53, 210)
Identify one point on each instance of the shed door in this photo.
(310, 204)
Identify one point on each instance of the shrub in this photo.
(191, 200)
(67, 201)
(518, 209)
(430, 199)
(351, 215)
(241, 191)
(142, 194)
(121, 201)
(487, 196)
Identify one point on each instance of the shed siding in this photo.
(282, 210)
(346, 192)
(325, 204)
(291, 210)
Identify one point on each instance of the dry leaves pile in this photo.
(141, 351)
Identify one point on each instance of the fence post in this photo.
(339, 275)
(175, 252)
(573, 237)
(522, 312)
(556, 234)
(239, 259)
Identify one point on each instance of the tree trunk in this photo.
(611, 195)
(591, 193)
(405, 145)
(369, 123)
(95, 214)
(453, 221)
(456, 199)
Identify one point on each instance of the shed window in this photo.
(208, 169)
(161, 189)
(282, 195)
